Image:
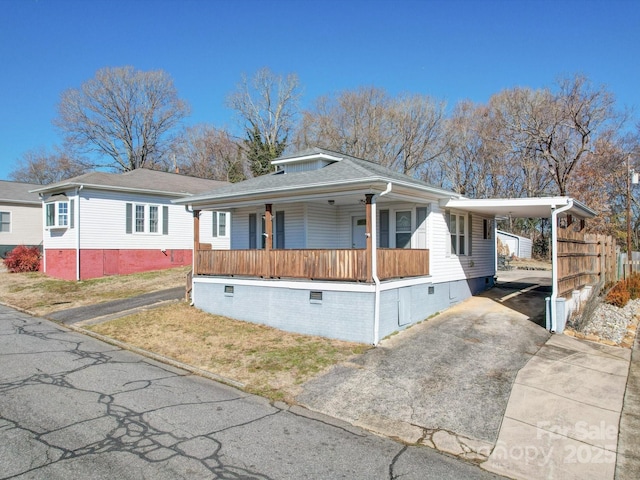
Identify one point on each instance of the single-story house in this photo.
(516, 245)
(101, 223)
(342, 247)
(20, 216)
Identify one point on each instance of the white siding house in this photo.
(20, 216)
(310, 222)
(106, 224)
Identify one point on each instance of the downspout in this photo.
(374, 264)
(554, 262)
(77, 227)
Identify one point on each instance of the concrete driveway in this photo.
(445, 382)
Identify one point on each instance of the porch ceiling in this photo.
(519, 207)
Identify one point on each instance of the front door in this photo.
(358, 232)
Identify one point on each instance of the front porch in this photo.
(352, 265)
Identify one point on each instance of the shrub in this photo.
(619, 294)
(634, 286)
(23, 259)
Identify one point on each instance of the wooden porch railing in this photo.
(314, 264)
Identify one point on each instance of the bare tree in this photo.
(404, 133)
(207, 152)
(42, 167)
(267, 105)
(124, 114)
(558, 128)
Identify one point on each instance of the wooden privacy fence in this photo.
(584, 259)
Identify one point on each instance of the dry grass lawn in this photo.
(268, 361)
(42, 295)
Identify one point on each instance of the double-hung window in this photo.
(403, 229)
(145, 218)
(5, 222)
(457, 232)
(219, 224)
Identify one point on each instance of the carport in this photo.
(565, 210)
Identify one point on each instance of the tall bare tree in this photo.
(43, 167)
(123, 114)
(207, 152)
(267, 105)
(404, 133)
(559, 128)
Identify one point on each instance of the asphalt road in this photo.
(74, 407)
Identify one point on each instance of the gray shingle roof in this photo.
(139, 180)
(16, 192)
(348, 170)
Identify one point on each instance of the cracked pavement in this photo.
(74, 407)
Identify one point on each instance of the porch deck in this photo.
(313, 264)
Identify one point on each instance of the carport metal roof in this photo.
(541, 207)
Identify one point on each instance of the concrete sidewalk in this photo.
(562, 418)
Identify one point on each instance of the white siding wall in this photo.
(101, 217)
(240, 227)
(453, 267)
(322, 225)
(206, 231)
(60, 237)
(26, 225)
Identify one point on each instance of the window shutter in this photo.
(447, 241)
(214, 222)
(129, 218)
(421, 227)
(253, 226)
(279, 229)
(165, 220)
(470, 236)
(384, 229)
(72, 213)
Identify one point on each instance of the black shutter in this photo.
(279, 229)
(253, 226)
(165, 220)
(384, 229)
(129, 218)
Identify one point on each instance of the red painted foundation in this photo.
(61, 263)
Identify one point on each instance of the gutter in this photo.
(374, 265)
(554, 262)
(77, 227)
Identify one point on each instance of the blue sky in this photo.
(452, 50)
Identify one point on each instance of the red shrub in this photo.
(23, 259)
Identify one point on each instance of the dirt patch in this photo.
(42, 295)
(268, 361)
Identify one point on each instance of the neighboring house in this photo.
(20, 216)
(342, 247)
(101, 224)
(518, 246)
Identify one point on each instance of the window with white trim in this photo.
(145, 218)
(57, 214)
(5, 222)
(403, 229)
(457, 232)
(219, 224)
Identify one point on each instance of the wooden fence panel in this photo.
(584, 259)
